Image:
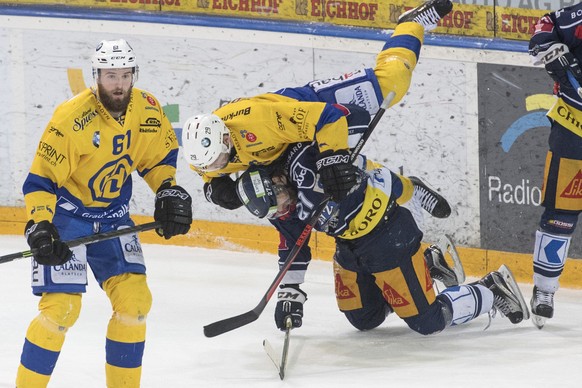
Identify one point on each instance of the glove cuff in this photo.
(27, 230)
(291, 293)
(48, 226)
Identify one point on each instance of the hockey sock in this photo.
(468, 302)
(45, 337)
(131, 301)
(550, 253)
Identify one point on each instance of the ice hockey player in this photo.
(378, 264)
(80, 184)
(556, 44)
(257, 130)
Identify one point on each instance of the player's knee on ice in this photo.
(368, 318)
(433, 320)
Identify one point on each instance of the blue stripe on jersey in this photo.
(330, 114)
(124, 355)
(404, 41)
(303, 93)
(35, 182)
(478, 300)
(397, 186)
(37, 359)
(170, 159)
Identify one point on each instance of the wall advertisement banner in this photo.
(513, 134)
(465, 19)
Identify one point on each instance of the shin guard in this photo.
(45, 337)
(131, 301)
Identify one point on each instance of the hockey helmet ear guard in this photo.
(114, 54)
(256, 192)
(203, 142)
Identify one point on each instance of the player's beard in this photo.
(113, 103)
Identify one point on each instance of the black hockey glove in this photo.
(44, 238)
(222, 192)
(173, 210)
(290, 303)
(560, 63)
(338, 176)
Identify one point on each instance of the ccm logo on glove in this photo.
(333, 159)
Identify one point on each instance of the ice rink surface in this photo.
(194, 287)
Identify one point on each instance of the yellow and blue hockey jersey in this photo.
(263, 126)
(85, 158)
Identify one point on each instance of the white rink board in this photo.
(432, 132)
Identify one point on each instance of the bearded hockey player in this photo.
(79, 184)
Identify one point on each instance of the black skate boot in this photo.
(507, 298)
(427, 14)
(439, 268)
(542, 307)
(431, 201)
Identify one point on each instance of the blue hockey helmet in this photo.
(256, 191)
(266, 192)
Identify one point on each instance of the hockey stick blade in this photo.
(282, 364)
(228, 324)
(92, 238)
(288, 327)
(271, 353)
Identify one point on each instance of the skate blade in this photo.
(538, 321)
(512, 284)
(446, 245)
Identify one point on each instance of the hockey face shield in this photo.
(263, 196)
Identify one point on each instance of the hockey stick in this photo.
(574, 83)
(228, 324)
(93, 238)
(280, 365)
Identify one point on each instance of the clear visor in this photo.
(285, 201)
(219, 163)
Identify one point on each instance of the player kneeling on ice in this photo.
(378, 264)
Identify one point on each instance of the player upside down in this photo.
(257, 130)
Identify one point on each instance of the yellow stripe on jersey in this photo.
(567, 116)
(376, 201)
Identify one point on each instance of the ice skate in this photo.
(438, 266)
(427, 14)
(431, 201)
(542, 307)
(508, 298)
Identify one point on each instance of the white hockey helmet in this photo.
(203, 141)
(114, 54)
